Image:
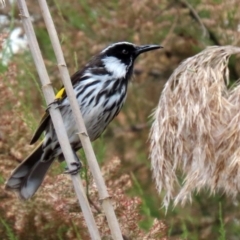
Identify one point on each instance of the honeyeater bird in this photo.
(101, 89)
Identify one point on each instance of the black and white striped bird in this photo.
(101, 89)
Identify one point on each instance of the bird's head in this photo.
(118, 58)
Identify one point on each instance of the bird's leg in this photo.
(77, 164)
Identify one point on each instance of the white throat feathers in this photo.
(114, 66)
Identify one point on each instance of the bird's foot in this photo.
(77, 165)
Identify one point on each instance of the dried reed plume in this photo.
(196, 128)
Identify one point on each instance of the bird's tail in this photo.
(28, 176)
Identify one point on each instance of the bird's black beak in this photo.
(146, 48)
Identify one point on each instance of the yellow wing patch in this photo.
(60, 93)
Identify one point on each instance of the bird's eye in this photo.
(124, 51)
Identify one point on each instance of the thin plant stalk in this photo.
(2, 3)
(57, 118)
(82, 132)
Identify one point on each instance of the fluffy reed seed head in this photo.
(196, 128)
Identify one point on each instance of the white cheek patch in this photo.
(115, 67)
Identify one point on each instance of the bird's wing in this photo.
(61, 94)
(42, 126)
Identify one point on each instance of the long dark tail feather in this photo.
(28, 176)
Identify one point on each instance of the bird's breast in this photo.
(99, 104)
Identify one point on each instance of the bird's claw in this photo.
(78, 166)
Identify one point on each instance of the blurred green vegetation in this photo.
(85, 27)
